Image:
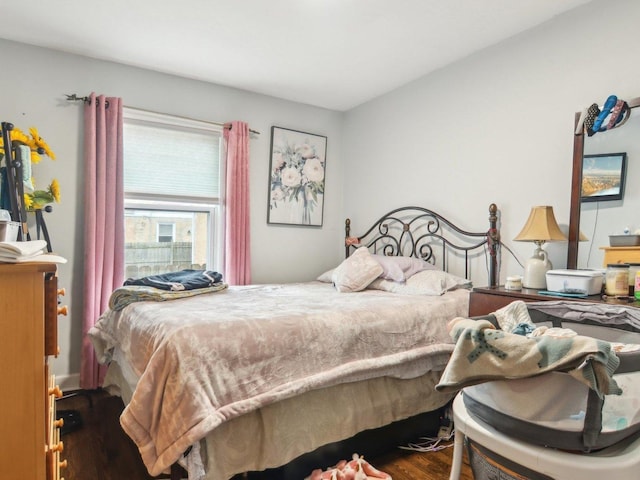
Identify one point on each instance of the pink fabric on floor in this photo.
(356, 469)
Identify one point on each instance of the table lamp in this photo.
(541, 227)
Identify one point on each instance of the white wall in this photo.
(494, 127)
(33, 85)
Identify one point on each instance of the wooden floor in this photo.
(100, 450)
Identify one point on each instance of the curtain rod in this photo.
(75, 98)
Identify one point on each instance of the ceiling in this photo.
(335, 54)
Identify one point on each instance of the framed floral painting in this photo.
(297, 174)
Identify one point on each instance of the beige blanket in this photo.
(210, 358)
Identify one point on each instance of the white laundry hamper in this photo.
(552, 426)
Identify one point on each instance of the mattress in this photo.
(195, 372)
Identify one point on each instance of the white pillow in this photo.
(427, 282)
(356, 272)
(326, 277)
(399, 268)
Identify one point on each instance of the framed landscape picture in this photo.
(603, 177)
(296, 177)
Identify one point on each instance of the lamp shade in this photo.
(541, 226)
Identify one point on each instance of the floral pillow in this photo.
(356, 272)
(399, 268)
(427, 282)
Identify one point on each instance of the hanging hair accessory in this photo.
(592, 113)
(599, 124)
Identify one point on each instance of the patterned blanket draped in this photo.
(484, 353)
(207, 359)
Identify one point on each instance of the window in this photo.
(172, 195)
(166, 232)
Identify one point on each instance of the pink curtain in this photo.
(237, 244)
(103, 221)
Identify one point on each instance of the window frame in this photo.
(159, 202)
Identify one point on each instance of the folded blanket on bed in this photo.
(123, 296)
(483, 353)
(177, 281)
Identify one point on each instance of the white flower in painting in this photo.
(305, 150)
(277, 194)
(313, 170)
(290, 177)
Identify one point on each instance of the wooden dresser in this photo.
(621, 255)
(31, 445)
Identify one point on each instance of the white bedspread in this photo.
(210, 358)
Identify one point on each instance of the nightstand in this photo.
(485, 300)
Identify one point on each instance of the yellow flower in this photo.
(54, 188)
(28, 203)
(34, 141)
(40, 143)
(35, 199)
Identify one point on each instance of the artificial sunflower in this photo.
(39, 198)
(34, 141)
(28, 203)
(39, 146)
(34, 199)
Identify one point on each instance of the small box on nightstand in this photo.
(586, 282)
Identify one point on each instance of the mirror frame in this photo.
(576, 189)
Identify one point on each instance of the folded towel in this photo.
(24, 155)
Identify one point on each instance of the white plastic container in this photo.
(8, 231)
(575, 281)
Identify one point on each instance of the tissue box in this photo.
(575, 281)
(8, 231)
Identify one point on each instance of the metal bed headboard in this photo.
(422, 233)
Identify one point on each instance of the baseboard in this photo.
(68, 382)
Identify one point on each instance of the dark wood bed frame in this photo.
(407, 231)
(422, 233)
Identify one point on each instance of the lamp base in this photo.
(535, 270)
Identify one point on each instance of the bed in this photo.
(249, 378)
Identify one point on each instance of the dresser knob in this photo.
(62, 464)
(58, 447)
(62, 292)
(58, 423)
(55, 391)
(64, 310)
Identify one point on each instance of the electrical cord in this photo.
(430, 444)
(512, 254)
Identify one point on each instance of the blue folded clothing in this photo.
(181, 280)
